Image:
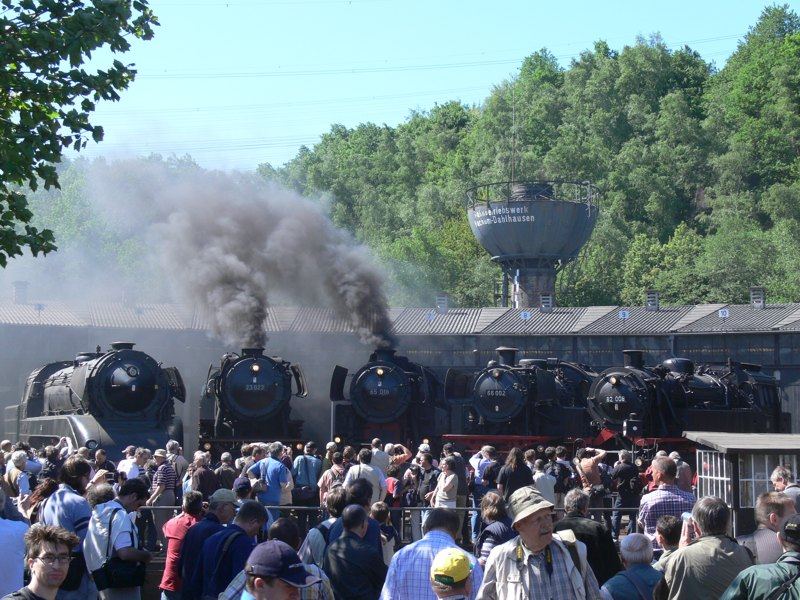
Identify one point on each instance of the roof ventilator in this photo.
(651, 302)
(546, 302)
(758, 299)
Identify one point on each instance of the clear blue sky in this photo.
(239, 82)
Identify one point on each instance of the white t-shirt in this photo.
(96, 542)
(13, 543)
(546, 484)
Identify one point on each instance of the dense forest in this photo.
(699, 172)
(698, 168)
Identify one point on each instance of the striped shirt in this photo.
(666, 500)
(165, 475)
(548, 580)
(67, 509)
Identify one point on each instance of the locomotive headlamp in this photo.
(92, 444)
(639, 462)
(496, 373)
(613, 380)
(540, 449)
(207, 446)
(132, 371)
(337, 439)
(299, 445)
(255, 367)
(426, 441)
(379, 372)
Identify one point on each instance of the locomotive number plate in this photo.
(255, 387)
(379, 392)
(496, 393)
(615, 399)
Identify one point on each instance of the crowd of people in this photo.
(332, 525)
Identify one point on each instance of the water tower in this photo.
(532, 230)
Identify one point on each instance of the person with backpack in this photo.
(559, 469)
(331, 478)
(306, 471)
(625, 477)
(312, 551)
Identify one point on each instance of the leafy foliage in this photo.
(699, 172)
(48, 95)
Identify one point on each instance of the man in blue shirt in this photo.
(221, 510)
(67, 508)
(306, 471)
(359, 492)
(225, 553)
(271, 476)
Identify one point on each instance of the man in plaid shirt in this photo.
(410, 571)
(666, 499)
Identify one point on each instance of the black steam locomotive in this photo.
(110, 399)
(390, 398)
(247, 398)
(532, 397)
(675, 396)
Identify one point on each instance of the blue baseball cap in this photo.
(241, 483)
(277, 559)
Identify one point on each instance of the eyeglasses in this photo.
(52, 559)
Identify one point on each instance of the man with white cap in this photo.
(275, 572)
(537, 564)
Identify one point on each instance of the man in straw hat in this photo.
(537, 564)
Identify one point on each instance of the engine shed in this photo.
(737, 467)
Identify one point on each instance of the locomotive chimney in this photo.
(122, 345)
(253, 352)
(758, 299)
(651, 302)
(385, 354)
(633, 358)
(508, 356)
(20, 292)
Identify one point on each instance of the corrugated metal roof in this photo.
(423, 321)
(696, 312)
(532, 321)
(790, 323)
(41, 313)
(144, 316)
(746, 442)
(590, 315)
(640, 320)
(319, 319)
(742, 317)
(489, 316)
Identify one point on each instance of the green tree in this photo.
(48, 96)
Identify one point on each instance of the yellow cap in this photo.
(450, 566)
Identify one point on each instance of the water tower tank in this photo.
(532, 230)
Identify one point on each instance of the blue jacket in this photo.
(190, 553)
(216, 570)
(621, 587)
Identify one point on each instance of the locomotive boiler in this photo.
(108, 399)
(390, 397)
(677, 396)
(539, 398)
(248, 398)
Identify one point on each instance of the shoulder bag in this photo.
(116, 573)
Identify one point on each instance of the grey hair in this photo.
(625, 456)
(200, 457)
(173, 446)
(576, 501)
(674, 455)
(275, 449)
(666, 466)
(226, 457)
(782, 473)
(636, 548)
(712, 515)
(19, 458)
(98, 494)
(661, 453)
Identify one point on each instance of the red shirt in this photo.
(175, 530)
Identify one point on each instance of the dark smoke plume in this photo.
(232, 243)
